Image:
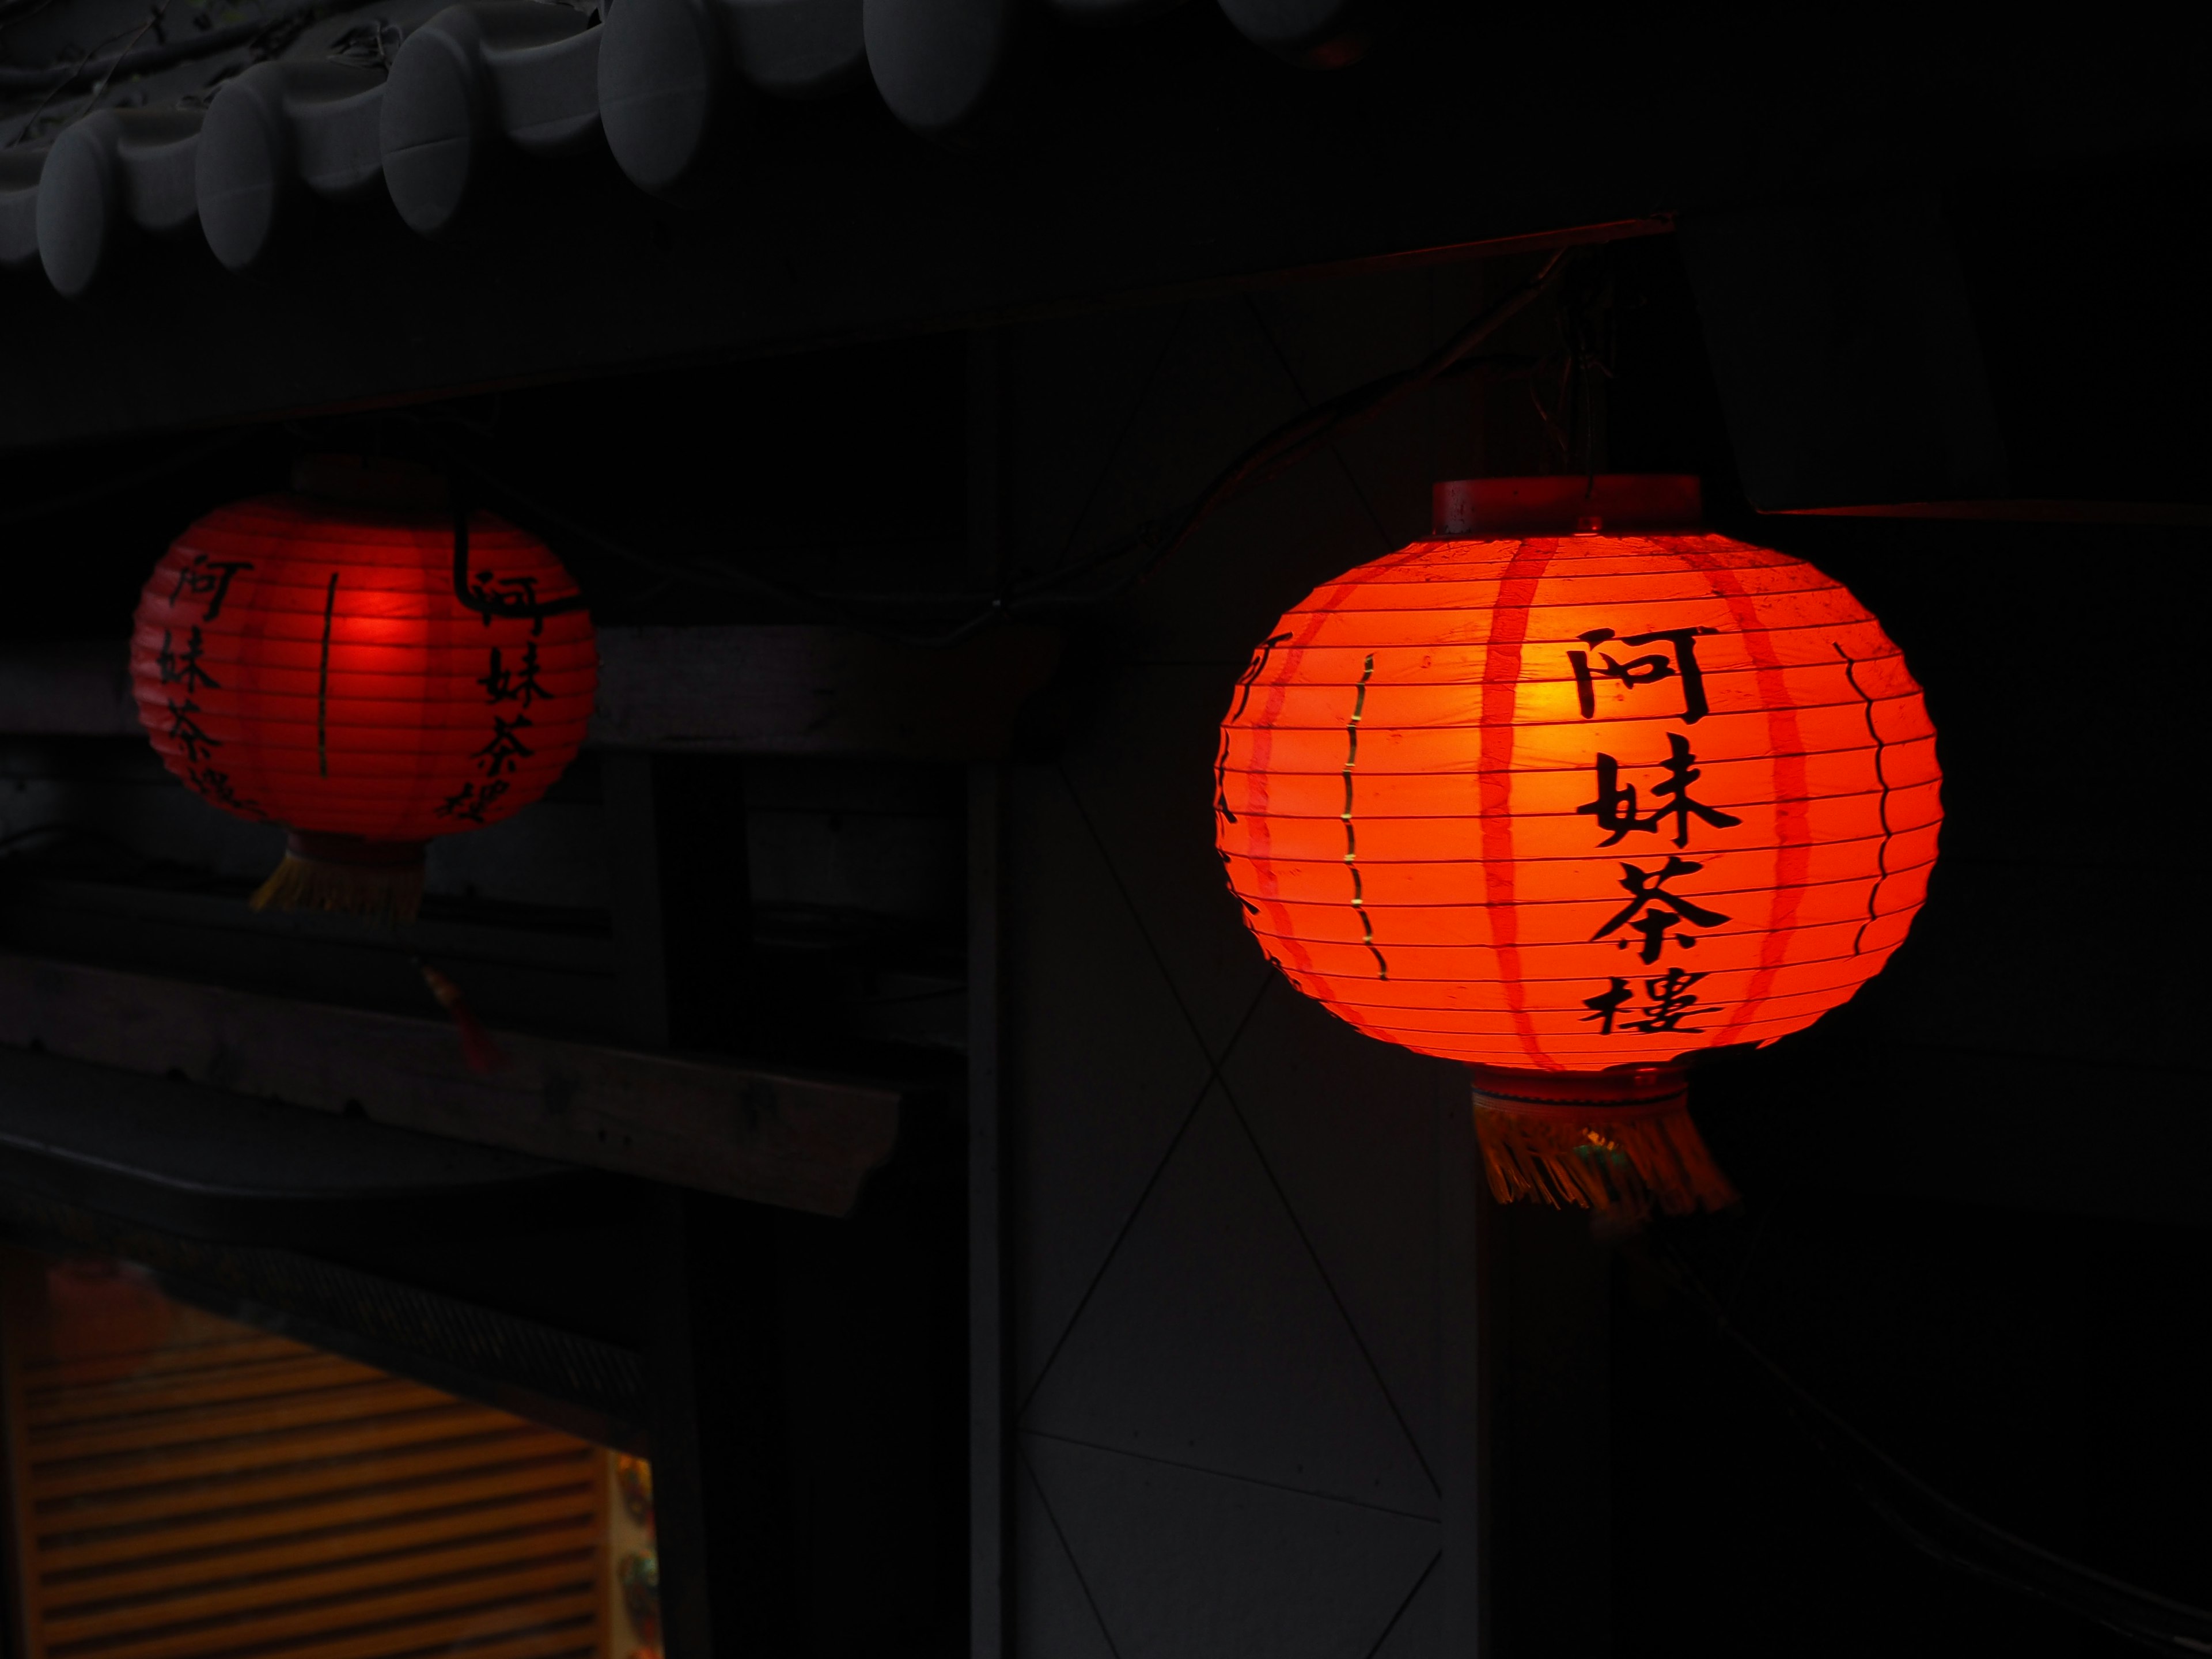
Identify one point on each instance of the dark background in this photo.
(1976, 1222)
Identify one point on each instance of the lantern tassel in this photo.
(1601, 1141)
(478, 1051)
(347, 876)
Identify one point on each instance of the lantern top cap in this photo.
(370, 481)
(1568, 504)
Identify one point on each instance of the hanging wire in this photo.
(1943, 1529)
(1141, 551)
(1105, 573)
(476, 591)
(191, 456)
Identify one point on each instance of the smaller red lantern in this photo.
(358, 663)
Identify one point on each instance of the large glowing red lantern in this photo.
(352, 663)
(1574, 803)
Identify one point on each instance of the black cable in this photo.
(127, 481)
(1302, 436)
(1273, 454)
(1279, 450)
(717, 577)
(1947, 1531)
(474, 590)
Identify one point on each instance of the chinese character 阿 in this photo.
(1642, 671)
(519, 599)
(1615, 806)
(1673, 1000)
(1646, 907)
(210, 579)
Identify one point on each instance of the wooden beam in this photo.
(719, 1422)
(989, 1368)
(803, 1143)
(796, 690)
(810, 691)
(67, 689)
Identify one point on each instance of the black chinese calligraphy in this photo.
(184, 667)
(472, 802)
(497, 596)
(185, 670)
(1616, 808)
(1673, 999)
(517, 685)
(1679, 661)
(191, 735)
(507, 681)
(209, 581)
(506, 747)
(218, 787)
(1654, 912)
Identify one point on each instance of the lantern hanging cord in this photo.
(1306, 433)
(813, 604)
(1946, 1531)
(474, 595)
(1285, 446)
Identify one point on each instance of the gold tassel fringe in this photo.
(1598, 1142)
(335, 874)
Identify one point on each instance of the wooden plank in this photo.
(64, 1480)
(510, 1635)
(126, 1602)
(52, 1406)
(67, 689)
(987, 1355)
(26, 1599)
(48, 1375)
(487, 1458)
(631, 814)
(807, 690)
(574, 1639)
(772, 1137)
(360, 1549)
(287, 1539)
(358, 1401)
(730, 1579)
(529, 1596)
(794, 689)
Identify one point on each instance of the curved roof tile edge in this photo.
(659, 81)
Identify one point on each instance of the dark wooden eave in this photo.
(212, 1163)
(1165, 158)
(772, 1135)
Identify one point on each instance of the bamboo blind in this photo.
(198, 1490)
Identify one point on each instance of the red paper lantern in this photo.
(351, 664)
(1572, 807)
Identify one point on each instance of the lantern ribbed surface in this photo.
(1570, 803)
(307, 662)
